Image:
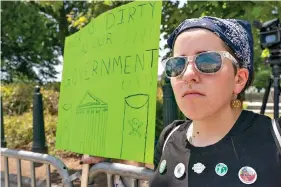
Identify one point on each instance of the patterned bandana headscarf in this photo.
(235, 33)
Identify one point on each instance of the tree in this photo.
(27, 42)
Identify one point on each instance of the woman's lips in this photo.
(193, 94)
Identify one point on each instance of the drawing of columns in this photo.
(92, 115)
(135, 123)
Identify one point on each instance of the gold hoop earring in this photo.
(236, 103)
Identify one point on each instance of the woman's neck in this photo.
(212, 129)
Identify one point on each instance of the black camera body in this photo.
(270, 37)
(270, 34)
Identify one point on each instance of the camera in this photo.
(270, 37)
(270, 34)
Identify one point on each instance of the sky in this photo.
(59, 67)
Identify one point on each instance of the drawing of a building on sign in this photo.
(92, 114)
(135, 123)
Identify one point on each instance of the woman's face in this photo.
(215, 91)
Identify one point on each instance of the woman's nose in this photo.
(190, 73)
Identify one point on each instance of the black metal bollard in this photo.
(39, 143)
(3, 139)
(170, 108)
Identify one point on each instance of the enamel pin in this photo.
(247, 175)
(221, 169)
(162, 166)
(198, 168)
(179, 170)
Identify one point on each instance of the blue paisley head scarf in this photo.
(235, 33)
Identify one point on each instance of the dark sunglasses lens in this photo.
(208, 62)
(175, 66)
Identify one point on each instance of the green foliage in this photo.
(245, 106)
(51, 101)
(17, 106)
(55, 86)
(262, 78)
(50, 131)
(18, 130)
(17, 98)
(28, 41)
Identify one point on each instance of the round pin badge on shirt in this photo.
(221, 169)
(162, 166)
(247, 175)
(179, 170)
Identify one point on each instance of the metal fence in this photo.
(135, 174)
(34, 159)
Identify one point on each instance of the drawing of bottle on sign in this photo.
(92, 114)
(135, 123)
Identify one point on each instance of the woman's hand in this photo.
(92, 160)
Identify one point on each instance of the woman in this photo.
(222, 145)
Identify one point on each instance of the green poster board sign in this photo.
(107, 102)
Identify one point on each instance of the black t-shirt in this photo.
(248, 151)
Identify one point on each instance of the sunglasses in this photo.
(209, 62)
